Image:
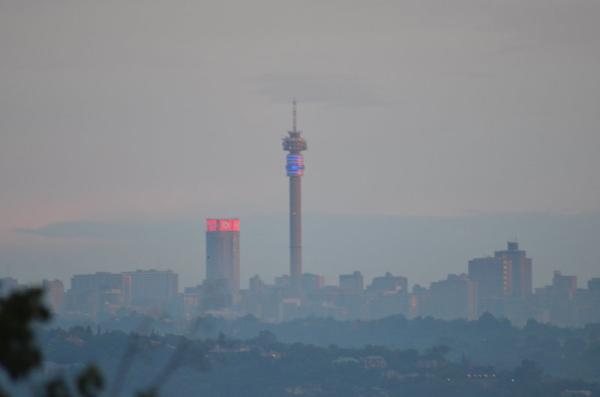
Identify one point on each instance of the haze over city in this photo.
(143, 117)
(300, 198)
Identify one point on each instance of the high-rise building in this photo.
(556, 303)
(255, 284)
(594, 284)
(282, 281)
(455, 297)
(223, 253)
(351, 296)
(387, 295)
(352, 282)
(55, 294)
(388, 283)
(587, 302)
(153, 289)
(98, 293)
(217, 294)
(312, 282)
(566, 284)
(97, 281)
(494, 282)
(522, 285)
(294, 144)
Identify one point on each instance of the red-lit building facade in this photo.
(223, 256)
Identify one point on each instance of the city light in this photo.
(223, 225)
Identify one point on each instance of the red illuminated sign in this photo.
(211, 225)
(222, 225)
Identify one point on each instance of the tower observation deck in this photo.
(294, 144)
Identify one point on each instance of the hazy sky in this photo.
(145, 110)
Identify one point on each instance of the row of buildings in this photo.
(500, 284)
(104, 294)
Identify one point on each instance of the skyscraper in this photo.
(352, 282)
(455, 297)
(153, 289)
(294, 144)
(494, 282)
(223, 253)
(521, 269)
(55, 294)
(98, 293)
(566, 284)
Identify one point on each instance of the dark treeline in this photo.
(308, 357)
(264, 366)
(560, 351)
(567, 352)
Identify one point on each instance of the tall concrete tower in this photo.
(294, 144)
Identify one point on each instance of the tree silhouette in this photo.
(18, 313)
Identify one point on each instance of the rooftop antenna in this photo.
(294, 115)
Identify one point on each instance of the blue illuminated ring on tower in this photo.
(295, 165)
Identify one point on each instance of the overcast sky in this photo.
(146, 110)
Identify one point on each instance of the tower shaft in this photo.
(295, 229)
(294, 144)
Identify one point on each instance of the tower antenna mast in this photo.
(294, 115)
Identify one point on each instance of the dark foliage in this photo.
(18, 313)
(562, 352)
(90, 382)
(20, 354)
(389, 357)
(57, 388)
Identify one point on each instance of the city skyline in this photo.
(506, 129)
(294, 143)
(158, 237)
(404, 246)
(499, 285)
(222, 262)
